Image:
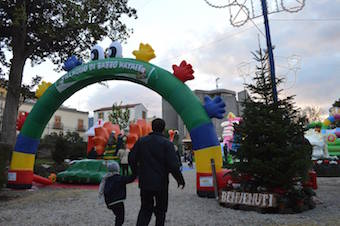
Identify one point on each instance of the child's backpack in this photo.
(109, 190)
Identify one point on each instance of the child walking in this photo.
(113, 188)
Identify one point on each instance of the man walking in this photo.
(152, 158)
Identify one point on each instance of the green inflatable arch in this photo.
(151, 76)
(182, 99)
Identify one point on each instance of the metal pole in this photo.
(214, 176)
(217, 82)
(269, 47)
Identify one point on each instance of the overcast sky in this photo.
(307, 52)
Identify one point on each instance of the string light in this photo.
(249, 10)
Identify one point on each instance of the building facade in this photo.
(233, 104)
(63, 120)
(137, 111)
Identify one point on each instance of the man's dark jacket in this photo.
(152, 158)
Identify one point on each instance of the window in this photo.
(80, 126)
(101, 115)
(143, 114)
(57, 122)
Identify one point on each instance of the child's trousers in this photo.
(118, 210)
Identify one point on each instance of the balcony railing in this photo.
(58, 126)
(81, 129)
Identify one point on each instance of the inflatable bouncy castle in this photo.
(331, 130)
(104, 136)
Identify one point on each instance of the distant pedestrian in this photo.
(153, 157)
(123, 154)
(120, 142)
(113, 188)
(190, 159)
(178, 156)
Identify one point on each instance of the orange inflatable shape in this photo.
(102, 132)
(142, 123)
(138, 130)
(135, 129)
(99, 143)
(108, 126)
(116, 128)
(131, 140)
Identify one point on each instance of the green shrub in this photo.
(60, 152)
(77, 151)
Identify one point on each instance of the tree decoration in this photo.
(273, 151)
(184, 71)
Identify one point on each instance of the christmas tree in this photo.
(273, 151)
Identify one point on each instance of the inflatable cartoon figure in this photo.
(228, 129)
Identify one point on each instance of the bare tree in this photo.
(312, 113)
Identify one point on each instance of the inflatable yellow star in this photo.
(42, 88)
(145, 53)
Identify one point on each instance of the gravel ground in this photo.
(52, 206)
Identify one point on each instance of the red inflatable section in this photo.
(204, 180)
(90, 143)
(41, 180)
(21, 120)
(20, 178)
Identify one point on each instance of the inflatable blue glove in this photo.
(71, 63)
(214, 107)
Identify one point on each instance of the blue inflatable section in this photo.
(26, 144)
(205, 139)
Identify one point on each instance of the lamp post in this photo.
(269, 48)
(216, 80)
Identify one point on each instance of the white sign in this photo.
(249, 199)
(206, 181)
(12, 176)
